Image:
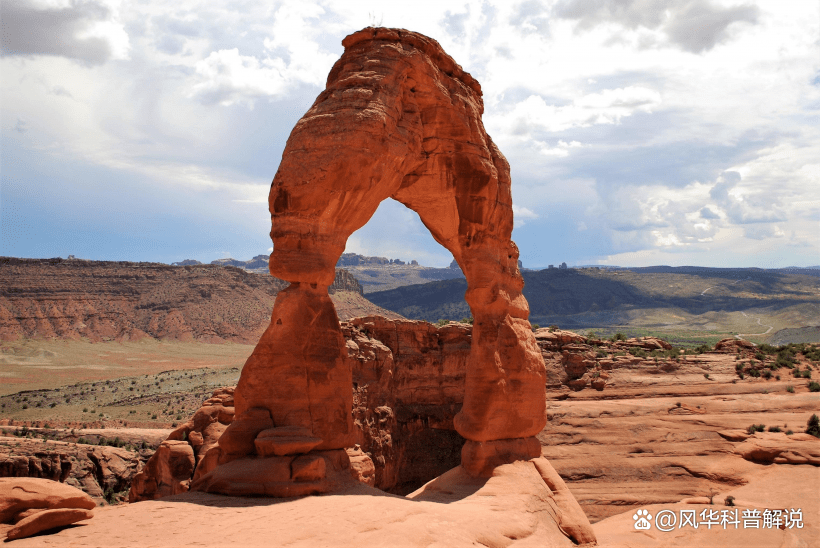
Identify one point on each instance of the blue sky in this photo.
(639, 132)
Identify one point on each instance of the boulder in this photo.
(45, 520)
(21, 494)
(167, 472)
(34, 505)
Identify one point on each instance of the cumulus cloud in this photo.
(762, 232)
(608, 106)
(233, 78)
(699, 26)
(82, 30)
(522, 214)
(694, 26)
(740, 208)
(294, 57)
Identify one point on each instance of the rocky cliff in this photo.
(105, 300)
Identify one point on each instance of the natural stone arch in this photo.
(398, 118)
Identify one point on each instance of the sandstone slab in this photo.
(45, 520)
(20, 494)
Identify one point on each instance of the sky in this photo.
(639, 132)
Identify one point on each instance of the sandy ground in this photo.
(36, 364)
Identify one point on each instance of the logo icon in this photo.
(642, 518)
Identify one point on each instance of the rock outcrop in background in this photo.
(123, 301)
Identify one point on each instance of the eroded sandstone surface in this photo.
(31, 505)
(395, 96)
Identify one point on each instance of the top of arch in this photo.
(423, 43)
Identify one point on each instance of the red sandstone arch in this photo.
(399, 119)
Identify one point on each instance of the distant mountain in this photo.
(260, 262)
(692, 296)
(107, 300)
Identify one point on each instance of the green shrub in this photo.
(553, 328)
(706, 376)
(814, 386)
(813, 426)
(618, 337)
(767, 374)
(638, 352)
(729, 501)
(756, 428)
(790, 389)
(754, 373)
(774, 429)
(602, 353)
(789, 432)
(440, 323)
(535, 327)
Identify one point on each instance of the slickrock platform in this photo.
(513, 508)
(774, 487)
(623, 454)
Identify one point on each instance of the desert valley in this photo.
(96, 379)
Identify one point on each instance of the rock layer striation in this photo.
(398, 119)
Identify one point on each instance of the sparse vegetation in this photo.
(814, 386)
(638, 352)
(729, 500)
(756, 428)
(813, 426)
(774, 429)
(790, 389)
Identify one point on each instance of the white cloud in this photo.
(230, 78)
(606, 107)
(618, 118)
(522, 214)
